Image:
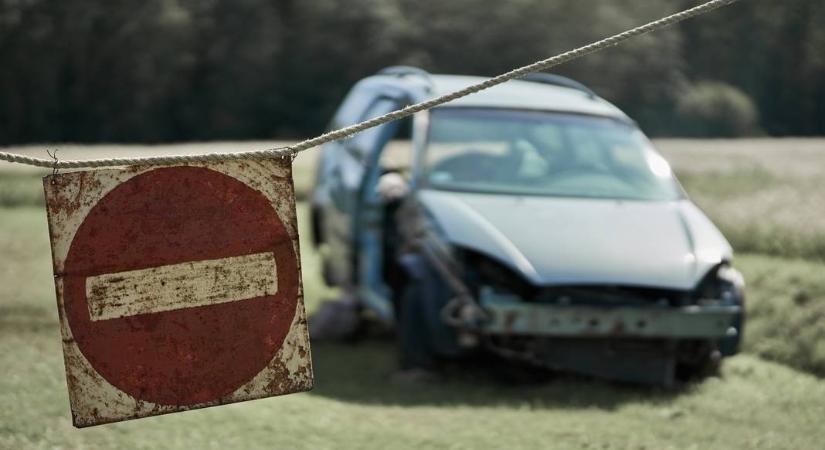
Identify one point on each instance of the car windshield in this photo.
(543, 153)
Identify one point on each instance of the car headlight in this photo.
(482, 270)
(729, 275)
(723, 283)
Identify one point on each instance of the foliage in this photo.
(772, 51)
(161, 70)
(716, 109)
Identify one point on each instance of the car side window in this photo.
(363, 142)
(352, 108)
(397, 154)
(348, 113)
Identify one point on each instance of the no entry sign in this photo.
(178, 287)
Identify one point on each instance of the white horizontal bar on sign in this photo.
(179, 286)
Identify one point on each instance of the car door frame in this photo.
(373, 291)
(343, 185)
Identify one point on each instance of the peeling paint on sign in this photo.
(178, 287)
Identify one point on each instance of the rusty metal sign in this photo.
(178, 287)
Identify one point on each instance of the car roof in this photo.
(514, 94)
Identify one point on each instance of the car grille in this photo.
(611, 294)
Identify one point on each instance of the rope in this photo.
(341, 133)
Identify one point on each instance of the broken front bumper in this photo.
(508, 315)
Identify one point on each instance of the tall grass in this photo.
(354, 405)
(785, 304)
(760, 211)
(764, 194)
(20, 189)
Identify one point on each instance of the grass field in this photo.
(756, 403)
(765, 194)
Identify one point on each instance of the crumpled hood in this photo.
(554, 241)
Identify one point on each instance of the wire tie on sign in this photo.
(53, 155)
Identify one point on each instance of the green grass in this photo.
(21, 189)
(786, 310)
(759, 212)
(764, 194)
(755, 404)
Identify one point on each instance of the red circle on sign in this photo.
(170, 216)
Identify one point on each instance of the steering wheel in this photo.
(471, 165)
(577, 169)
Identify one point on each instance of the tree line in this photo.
(171, 70)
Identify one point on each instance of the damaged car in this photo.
(534, 221)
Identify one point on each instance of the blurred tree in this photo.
(329, 46)
(159, 70)
(773, 52)
(642, 76)
(233, 46)
(716, 109)
(91, 71)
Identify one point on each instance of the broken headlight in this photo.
(722, 284)
(481, 270)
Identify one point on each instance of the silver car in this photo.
(533, 221)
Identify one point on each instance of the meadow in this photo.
(762, 194)
(765, 194)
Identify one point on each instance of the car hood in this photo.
(552, 240)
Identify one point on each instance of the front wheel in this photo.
(412, 328)
(422, 334)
